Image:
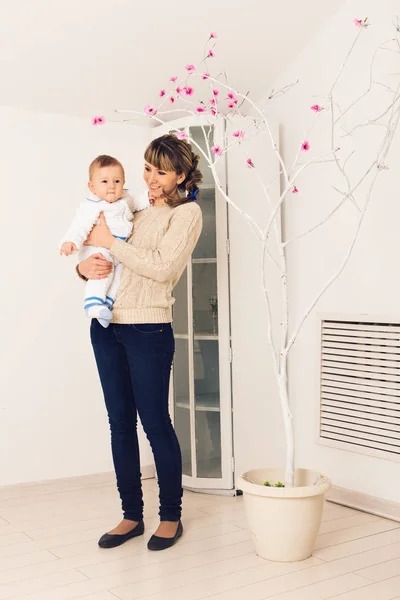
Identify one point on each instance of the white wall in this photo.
(370, 283)
(52, 420)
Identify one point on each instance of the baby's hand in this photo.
(68, 248)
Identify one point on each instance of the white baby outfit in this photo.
(100, 293)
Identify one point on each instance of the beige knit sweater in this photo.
(154, 258)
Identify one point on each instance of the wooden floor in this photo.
(48, 551)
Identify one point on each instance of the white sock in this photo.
(99, 310)
(104, 322)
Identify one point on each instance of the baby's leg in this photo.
(96, 290)
(114, 286)
(95, 300)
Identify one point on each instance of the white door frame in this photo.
(226, 482)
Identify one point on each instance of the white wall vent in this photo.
(360, 387)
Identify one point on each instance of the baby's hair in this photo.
(104, 161)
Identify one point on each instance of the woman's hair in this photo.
(104, 161)
(170, 154)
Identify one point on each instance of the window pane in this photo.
(182, 402)
(205, 300)
(196, 133)
(180, 308)
(208, 444)
(207, 406)
(206, 246)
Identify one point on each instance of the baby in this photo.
(106, 184)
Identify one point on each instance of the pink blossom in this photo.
(98, 120)
(213, 35)
(305, 146)
(232, 96)
(181, 135)
(215, 92)
(250, 163)
(172, 99)
(150, 110)
(211, 53)
(200, 109)
(316, 108)
(295, 190)
(217, 150)
(190, 68)
(162, 93)
(212, 101)
(188, 90)
(357, 23)
(238, 134)
(173, 79)
(179, 90)
(231, 104)
(213, 112)
(205, 75)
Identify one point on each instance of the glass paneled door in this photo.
(201, 382)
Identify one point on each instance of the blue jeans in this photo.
(134, 364)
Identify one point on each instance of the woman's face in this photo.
(160, 182)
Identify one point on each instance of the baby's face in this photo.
(107, 183)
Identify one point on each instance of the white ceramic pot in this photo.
(283, 522)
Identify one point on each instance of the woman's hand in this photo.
(100, 235)
(95, 267)
(156, 200)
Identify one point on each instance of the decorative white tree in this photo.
(182, 94)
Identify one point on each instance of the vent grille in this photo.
(360, 386)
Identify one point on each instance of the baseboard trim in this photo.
(148, 472)
(364, 502)
(95, 479)
(210, 491)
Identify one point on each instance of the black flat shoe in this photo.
(162, 543)
(113, 540)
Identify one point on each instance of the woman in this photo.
(134, 354)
